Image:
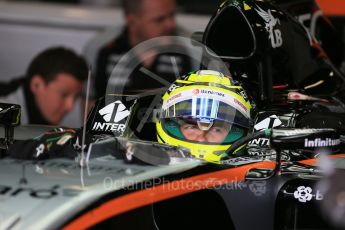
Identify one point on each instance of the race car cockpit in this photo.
(270, 51)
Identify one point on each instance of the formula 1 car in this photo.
(128, 183)
(124, 179)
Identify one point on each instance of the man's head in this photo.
(56, 77)
(148, 19)
(206, 113)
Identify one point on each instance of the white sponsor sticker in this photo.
(275, 35)
(304, 194)
(112, 114)
(270, 122)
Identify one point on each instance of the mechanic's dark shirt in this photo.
(138, 80)
(34, 114)
(9, 87)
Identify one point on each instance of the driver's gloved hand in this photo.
(56, 143)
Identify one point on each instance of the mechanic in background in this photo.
(145, 19)
(53, 82)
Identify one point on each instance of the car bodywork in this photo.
(108, 192)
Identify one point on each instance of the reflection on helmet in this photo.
(205, 112)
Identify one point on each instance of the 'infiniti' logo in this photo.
(318, 142)
(114, 112)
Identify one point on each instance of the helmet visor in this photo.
(192, 130)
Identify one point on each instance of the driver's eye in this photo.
(190, 127)
(218, 130)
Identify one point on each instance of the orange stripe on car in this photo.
(165, 191)
(332, 7)
(315, 160)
